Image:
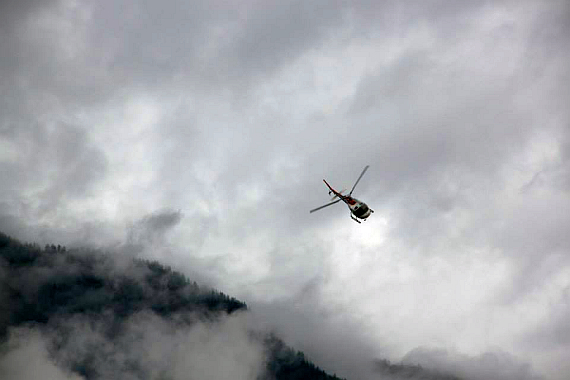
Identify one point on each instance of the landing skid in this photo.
(353, 218)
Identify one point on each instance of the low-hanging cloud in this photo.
(497, 365)
(150, 347)
(25, 356)
(85, 314)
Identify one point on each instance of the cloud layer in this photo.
(115, 114)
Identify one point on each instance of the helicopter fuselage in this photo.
(357, 208)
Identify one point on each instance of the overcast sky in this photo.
(198, 133)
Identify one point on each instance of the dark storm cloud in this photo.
(152, 228)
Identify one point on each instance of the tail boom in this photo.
(331, 189)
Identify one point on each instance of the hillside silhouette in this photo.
(103, 317)
(45, 288)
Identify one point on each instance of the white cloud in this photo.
(234, 114)
(28, 358)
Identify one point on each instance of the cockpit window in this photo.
(360, 209)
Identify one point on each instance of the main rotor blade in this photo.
(356, 183)
(328, 204)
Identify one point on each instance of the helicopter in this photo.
(358, 209)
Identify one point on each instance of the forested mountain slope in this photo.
(91, 315)
(95, 314)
